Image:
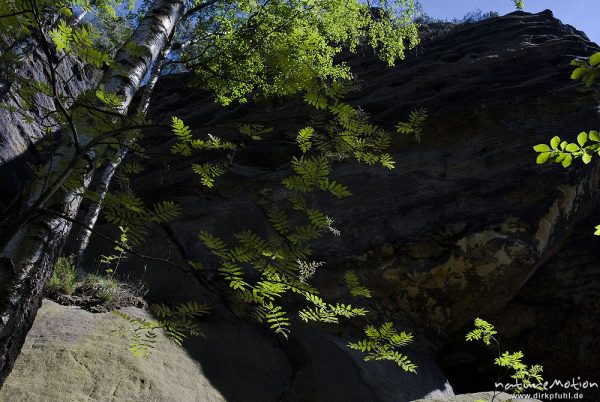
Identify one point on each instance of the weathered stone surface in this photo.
(553, 318)
(17, 136)
(73, 355)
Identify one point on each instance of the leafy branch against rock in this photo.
(588, 143)
(177, 322)
(525, 377)
(383, 343)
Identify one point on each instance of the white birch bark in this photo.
(90, 211)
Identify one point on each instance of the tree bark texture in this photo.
(90, 210)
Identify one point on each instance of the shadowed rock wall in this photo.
(466, 224)
(17, 136)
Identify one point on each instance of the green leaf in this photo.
(387, 161)
(483, 330)
(355, 287)
(542, 158)
(578, 73)
(208, 172)
(554, 142)
(541, 148)
(214, 244)
(587, 158)
(180, 130)
(567, 161)
(414, 126)
(572, 148)
(594, 136)
(589, 79)
(62, 36)
(316, 100)
(582, 138)
(279, 220)
(595, 59)
(304, 138)
(381, 344)
(275, 317)
(335, 188)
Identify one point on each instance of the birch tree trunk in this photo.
(90, 211)
(29, 251)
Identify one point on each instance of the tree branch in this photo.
(113, 242)
(15, 13)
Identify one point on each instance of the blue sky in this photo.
(582, 14)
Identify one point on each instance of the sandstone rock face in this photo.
(552, 318)
(73, 355)
(17, 136)
(466, 225)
